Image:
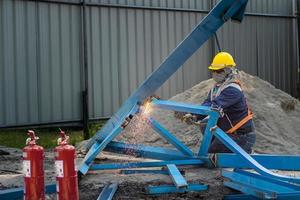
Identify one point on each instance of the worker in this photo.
(227, 97)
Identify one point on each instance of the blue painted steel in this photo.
(144, 171)
(158, 153)
(226, 140)
(96, 149)
(108, 192)
(99, 146)
(201, 33)
(181, 107)
(280, 186)
(269, 161)
(239, 197)
(257, 185)
(176, 176)
(163, 189)
(254, 191)
(206, 141)
(17, 193)
(144, 164)
(249, 197)
(169, 137)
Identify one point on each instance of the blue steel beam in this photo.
(207, 137)
(144, 164)
(157, 153)
(239, 197)
(253, 191)
(17, 193)
(144, 171)
(96, 149)
(284, 186)
(269, 161)
(229, 143)
(259, 181)
(181, 107)
(249, 197)
(108, 192)
(170, 137)
(201, 33)
(176, 176)
(164, 189)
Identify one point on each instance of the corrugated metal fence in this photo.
(43, 47)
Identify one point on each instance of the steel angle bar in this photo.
(269, 161)
(96, 149)
(250, 197)
(287, 187)
(251, 193)
(176, 176)
(239, 197)
(153, 152)
(259, 181)
(17, 193)
(206, 141)
(163, 189)
(254, 191)
(228, 142)
(181, 107)
(144, 171)
(170, 137)
(144, 164)
(108, 192)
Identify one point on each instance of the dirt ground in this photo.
(277, 119)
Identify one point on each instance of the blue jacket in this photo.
(233, 103)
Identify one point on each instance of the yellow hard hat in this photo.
(222, 60)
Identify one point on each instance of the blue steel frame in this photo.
(223, 11)
(258, 186)
(108, 192)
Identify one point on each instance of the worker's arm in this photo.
(227, 98)
(207, 102)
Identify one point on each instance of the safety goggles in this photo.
(218, 71)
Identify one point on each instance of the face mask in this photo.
(219, 77)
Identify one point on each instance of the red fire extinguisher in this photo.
(66, 173)
(33, 168)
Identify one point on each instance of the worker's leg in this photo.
(246, 141)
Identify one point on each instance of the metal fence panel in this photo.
(187, 4)
(40, 68)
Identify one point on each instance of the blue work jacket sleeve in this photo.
(207, 101)
(227, 98)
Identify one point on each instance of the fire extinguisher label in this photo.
(24, 154)
(26, 168)
(59, 167)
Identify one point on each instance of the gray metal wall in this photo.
(41, 77)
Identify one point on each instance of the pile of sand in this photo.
(277, 118)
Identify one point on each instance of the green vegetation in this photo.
(48, 136)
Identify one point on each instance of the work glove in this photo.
(179, 115)
(189, 119)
